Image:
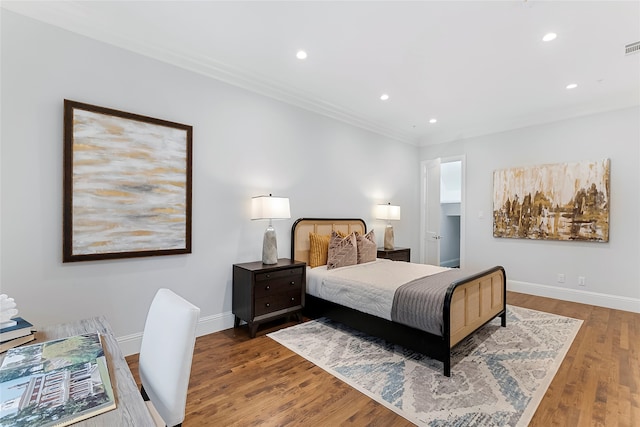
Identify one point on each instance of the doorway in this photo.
(442, 211)
(450, 200)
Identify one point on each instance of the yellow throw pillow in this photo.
(319, 248)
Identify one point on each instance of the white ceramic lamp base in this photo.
(270, 247)
(388, 237)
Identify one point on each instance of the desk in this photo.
(130, 408)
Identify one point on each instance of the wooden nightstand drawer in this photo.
(264, 292)
(273, 303)
(279, 274)
(274, 282)
(278, 286)
(396, 254)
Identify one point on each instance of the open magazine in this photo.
(55, 383)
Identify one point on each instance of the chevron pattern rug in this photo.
(498, 375)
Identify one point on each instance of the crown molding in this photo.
(76, 18)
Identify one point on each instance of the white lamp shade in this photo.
(269, 207)
(388, 212)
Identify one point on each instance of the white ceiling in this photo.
(477, 66)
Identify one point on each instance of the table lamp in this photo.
(270, 207)
(389, 213)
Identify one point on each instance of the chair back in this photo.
(166, 353)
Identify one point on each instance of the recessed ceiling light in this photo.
(433, 121)
(549, 36)
(572, 86)
(301, 54)
(384, 96)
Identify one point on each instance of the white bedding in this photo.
(367, 287)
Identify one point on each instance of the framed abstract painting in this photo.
(565, 201)
(127, 184)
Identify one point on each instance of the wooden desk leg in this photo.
(236, 321)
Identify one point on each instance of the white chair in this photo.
(165, 356)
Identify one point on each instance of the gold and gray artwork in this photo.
(129, 185)
(566, 201)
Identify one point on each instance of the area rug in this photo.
(498, 375)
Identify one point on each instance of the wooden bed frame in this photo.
(470, 303)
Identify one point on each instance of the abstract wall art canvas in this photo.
(127, 184)
(566, 201)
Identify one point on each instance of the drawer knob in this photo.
(267, 287)
(267, 305)
(293, 299)
(292, 283)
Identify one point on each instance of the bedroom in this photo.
(248, 144)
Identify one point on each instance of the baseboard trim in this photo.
(130, 344)
(574, 295)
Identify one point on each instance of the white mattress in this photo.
(367, 287)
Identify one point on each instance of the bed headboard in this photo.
(303, 226)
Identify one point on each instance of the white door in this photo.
(431, 212)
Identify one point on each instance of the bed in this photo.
(468, 301)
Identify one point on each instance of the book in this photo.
(8, 324)
(20, 329)
(55, 383)
(6, 345)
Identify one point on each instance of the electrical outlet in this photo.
(581, 280)
(560, 277)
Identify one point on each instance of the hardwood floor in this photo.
(238, 381)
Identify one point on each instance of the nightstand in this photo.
(264, 292)
(395, 254)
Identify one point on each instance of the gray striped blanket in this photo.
(420, 303)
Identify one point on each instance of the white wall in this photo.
(244, 145)
(612, 269)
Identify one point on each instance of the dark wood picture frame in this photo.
(127, 184)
